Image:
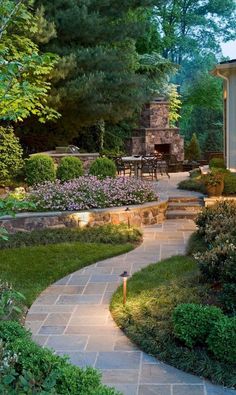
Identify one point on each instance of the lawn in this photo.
(153, 293)
(32, 269)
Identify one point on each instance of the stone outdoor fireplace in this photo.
(155, 134)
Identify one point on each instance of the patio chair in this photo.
(122, 167)
(148, 166)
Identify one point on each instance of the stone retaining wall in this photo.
(146, 214)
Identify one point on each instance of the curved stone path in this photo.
(72, 317)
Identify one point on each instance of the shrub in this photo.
(11, 302)
(192, 184)
(193, 151)
(27, 368)
(217, 162)
(39, 168)
(192, 323)
(102, 168)
(69, 168)
(215, 215)
(11, 162)
(90, 192)
(110, 234)
(219, 263)
(228, 298)
(229, 183)
(222, 340)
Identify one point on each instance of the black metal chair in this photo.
(122, 166)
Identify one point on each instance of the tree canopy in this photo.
(23, 69)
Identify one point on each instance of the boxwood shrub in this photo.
(102, 168)
(193, 322)
(69, 168)
(26, 368)
(222, 339)
(39, 168)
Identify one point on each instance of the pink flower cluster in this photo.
(90, 192)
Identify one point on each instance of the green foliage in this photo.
(218, 264)
(28, 368)
(228, 297)
(229, 183)
(193, 151)
(222, 340)
(24, 84)
(11, 161)
(215, 220)
(214, 139)
(192, 323)
(175, 105)
(192, 184)
(153, 294)
(39, 168)
(69, 169)
(102, 168)
(11, 302)
(108, 234)
(217, 162)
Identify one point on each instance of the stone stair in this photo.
(184, 207)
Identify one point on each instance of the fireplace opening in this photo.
(162, 148)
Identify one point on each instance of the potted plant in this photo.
(214, 183)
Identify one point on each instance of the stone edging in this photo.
(136, 215)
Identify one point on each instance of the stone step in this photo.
(182, 214)
(179, 199)
(191, 206)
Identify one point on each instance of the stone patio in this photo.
(72, 316)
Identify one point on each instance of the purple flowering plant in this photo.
(89, 192)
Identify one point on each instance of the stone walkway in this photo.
(72, 317)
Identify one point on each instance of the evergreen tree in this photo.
(193, 151)
(214, 141)
(100, 78)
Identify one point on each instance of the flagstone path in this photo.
(72, 317)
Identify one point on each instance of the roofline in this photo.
(223, 67)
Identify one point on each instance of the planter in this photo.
(215, 190)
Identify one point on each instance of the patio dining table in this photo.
(137, 161)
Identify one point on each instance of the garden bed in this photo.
(196, 286)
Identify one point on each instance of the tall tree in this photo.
(191, 27)
(23, 69)
(100, 77)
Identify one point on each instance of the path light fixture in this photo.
(125, 276)
(128, 211)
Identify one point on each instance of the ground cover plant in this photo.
(90, 192)
(183, 310)
(107, 234)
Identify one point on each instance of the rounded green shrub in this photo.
(11, 162)
(222, 340)
(193, 322)
(217, 162)
(69, 168)
(102, 168)
(39, 168)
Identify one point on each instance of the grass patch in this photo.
(32, 269)
(153, 293)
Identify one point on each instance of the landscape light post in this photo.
(125, 276)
